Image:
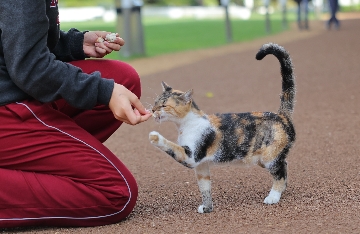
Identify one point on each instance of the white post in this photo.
(267, 16)
(123, 27)
(139, 45)
(284, 13)
(225, 3)
(129, 26)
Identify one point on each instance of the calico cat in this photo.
(262, 138)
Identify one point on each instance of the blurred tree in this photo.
(107, 3)
(239, 2)
(154, 2)
(80, 3)
(196, 2)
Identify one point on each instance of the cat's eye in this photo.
(157, 108)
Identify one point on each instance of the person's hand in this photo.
(121, 104)
(93, 48)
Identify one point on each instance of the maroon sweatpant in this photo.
(54, 169)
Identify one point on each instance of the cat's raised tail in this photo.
(288, 78)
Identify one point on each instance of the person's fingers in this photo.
(100, 51)
(102, 33)
(104, 47)
(138, 105)
(126, 106)
(130, 114)
(134, 117)
(112, 46)
(137, 113)
(145, 117)
(134, 100)
(118, 41)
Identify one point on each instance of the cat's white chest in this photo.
(191, 131)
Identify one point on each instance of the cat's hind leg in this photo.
(203, 179)
(279, 172)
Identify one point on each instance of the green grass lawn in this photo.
(164, 36)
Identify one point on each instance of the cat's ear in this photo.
(165, 86)
(187, 96)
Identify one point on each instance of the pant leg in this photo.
(306, 13)
(54, 169)
(52, 172)
(334, 5)
(299, 14)
(106, 124)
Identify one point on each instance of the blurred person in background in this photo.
(302, 14)
(334, 8)
(56, 110)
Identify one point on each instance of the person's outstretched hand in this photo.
(95, 49)
(121, 104)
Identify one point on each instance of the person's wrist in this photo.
(106, 90)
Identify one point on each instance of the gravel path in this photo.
(324, 177)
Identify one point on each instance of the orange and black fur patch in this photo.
(261, 138)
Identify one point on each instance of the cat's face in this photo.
(171, 105)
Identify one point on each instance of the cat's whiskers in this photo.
(148, 106)
(156, 95)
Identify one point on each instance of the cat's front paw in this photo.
(273, 197)
(154, 137)
(203, 209)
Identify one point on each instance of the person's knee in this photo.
(126, 197)
(118, 193)
(126, 75)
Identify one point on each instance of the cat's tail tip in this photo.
(288, 78)
(271, 48)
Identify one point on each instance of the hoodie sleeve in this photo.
(70, 46)
(34, 69)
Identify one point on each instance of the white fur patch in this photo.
(191, 127)
(204, 185)
(201, 209)
(160, 142)
(273, 197)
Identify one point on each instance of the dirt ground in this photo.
(323, 194)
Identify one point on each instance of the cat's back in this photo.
(240, 134)
(229, 122)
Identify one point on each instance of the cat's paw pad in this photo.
(154, 137)
(273, 197)
(203, 209)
